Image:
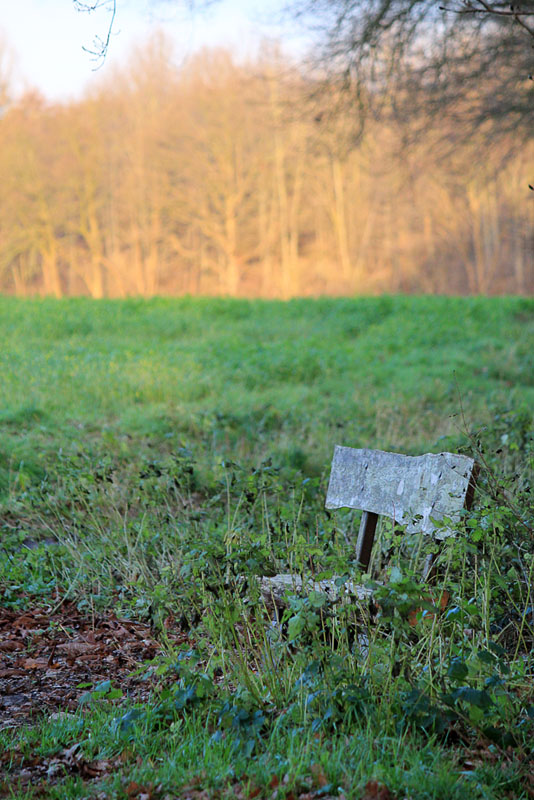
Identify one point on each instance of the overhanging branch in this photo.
(519, 12)
(100, 44)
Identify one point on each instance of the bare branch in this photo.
(481, 7)
(100, 47)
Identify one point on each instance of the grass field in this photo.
(152, 452)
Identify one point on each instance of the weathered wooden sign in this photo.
(415, 491)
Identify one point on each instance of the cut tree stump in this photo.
(274, 590)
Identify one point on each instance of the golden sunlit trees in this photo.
(220, 177)
(222, 148)
(30, 208)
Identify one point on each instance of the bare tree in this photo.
(471, 57)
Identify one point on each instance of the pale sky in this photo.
(47, 37)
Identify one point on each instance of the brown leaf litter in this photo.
(45, 655)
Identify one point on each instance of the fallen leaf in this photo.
(27, 621)
(70, 754)
(95, 768)
(10, 645)
(77, 648)
(35, 663)
(376, 791)
(55, 768)
(318, 775)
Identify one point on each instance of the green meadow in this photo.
(157, 455)
(250, 380)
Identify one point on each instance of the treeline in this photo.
(219, 177)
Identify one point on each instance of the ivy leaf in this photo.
(127, 721)
(474, 697)
(485, 657)
(395, 575)
(294, 627)
(457, 670)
